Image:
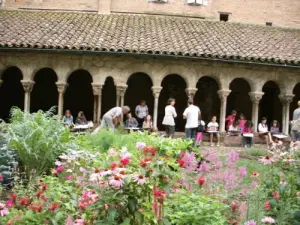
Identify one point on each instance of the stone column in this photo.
(255, 98)
(97, 90)
(1, 82)
(156, 92)
(223, 94)
(191, 92)
(61, 88)
(121, 89)
(286, 100)
(27, 85)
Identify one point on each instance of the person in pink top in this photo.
(230, 119)
(248, 134)
(242, 122)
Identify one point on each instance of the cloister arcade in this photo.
(97, 84)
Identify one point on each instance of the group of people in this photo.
(68, 119)
(195, 126)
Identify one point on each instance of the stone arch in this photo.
(11, 91)
(178, 70)
(294, 103)
(139, 88)
(109, 96)
(71, 71)
(207, 98)
(239, 98)
(270, 105)
(44, 94)
(173, 86)
(79, 94)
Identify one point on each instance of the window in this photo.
(197, 2)
(159, 1)
(224, 17)
(269, 24)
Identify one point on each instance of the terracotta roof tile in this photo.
(149, 35)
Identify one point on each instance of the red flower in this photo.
(275, 195)
(43, 198)
(38, 194)
(125, 161)
(24, 201)
(53, 207)
(234, 205)
(113, 166)
(201, 181)
(267, 206)
(36, 207)
(44, 186)
(150, 150)
(13, 197)
(159, 193)
(181, 162)
(1, 178)
(145, 162)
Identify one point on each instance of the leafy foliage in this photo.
(38, 139)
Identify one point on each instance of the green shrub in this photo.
(38, 139)
(184, 208)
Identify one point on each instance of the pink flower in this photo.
(59, 169)
(9, 204)
(233, 156)
(79, 222)
(68, 177)
(275, 195)
(125, 161)
(267, 206)
(3, 211)
(140, 145)
(204, 167)
(251, 222)
(1, 178)
(266, 160)
(243, 171)
(116, 181)
(112, 152)
(268, 220)
(140, 179)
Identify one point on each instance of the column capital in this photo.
(156, 91)
(223, 94)
(61, 86)
(27, 85)
(286, 99)
(121, 89)
(97, 88)
(191, 91)
(256, 96)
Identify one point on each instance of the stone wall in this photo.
(283, 13)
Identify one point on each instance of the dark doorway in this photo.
(79, 94)
(207, 98)
(109, 96)
(270, 105)
(44, 94)
(294, 103)
(239, 98)
(11, 92)
(173, 86)
(139, 88)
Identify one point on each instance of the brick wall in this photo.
(283, 13)
(89, 5)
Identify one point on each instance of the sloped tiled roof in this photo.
(163, 35)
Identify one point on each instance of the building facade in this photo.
(95, 60)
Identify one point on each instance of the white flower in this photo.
(94, 177)
(112, 152)
(140, 145)
(268, 220)
(124, 153)
(69, 171)
(58, 163)
(159, 162)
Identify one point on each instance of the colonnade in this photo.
(255, 97)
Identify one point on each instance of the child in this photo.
(213, 128)
(275, 127)
(68, 118)
(200, 129)
(234, 129)
(242, 122)
(248, 134)
(147, 124)
(230, 119)
(263, 131)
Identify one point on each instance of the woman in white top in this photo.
(263, 131)
(170, 114)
